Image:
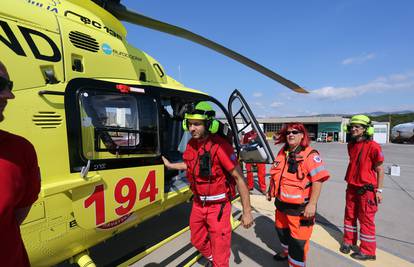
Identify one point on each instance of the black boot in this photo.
(280, 257)
(345, 248)
(362, 257)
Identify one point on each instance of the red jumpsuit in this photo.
(292, 191)
(19, 187)
(210, 215)
(261, 167)
(362, 205)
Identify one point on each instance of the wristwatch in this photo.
(379, 190)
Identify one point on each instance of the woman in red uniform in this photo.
(297, 176)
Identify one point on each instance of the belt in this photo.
(368, 187)
(213, 198)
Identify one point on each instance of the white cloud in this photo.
(358, 59)
(276, 104)
(389, 83)
(259, 105)
(257, 94)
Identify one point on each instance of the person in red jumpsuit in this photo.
(364, 176)
(213, 172)
(296, 181)
(261, 167)
(19, 184)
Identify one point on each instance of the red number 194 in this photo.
(149, 190)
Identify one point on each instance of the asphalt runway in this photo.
(257, 245)
(395, 228)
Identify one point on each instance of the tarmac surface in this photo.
(257, 245)
(395, 220)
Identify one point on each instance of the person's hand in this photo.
(378, 195)
(247, 219)
(167, 163)
(310, 211)
(268, 196)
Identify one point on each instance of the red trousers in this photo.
(210, 236)
(261, 173)
(362, 208)
(293, 237)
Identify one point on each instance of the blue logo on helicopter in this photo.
(107, 49)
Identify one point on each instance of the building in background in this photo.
(322, 128)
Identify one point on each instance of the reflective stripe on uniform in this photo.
(367, 238)
(297, 263)
(350, 228)
(213, 198)
(290, 196)
(317, 170)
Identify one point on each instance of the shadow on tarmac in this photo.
(331, 228)
(264, 230)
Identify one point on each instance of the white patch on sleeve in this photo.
(317, 159)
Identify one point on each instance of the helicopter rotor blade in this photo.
(122, 13)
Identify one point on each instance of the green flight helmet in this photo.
(202, 111)
(361, 120)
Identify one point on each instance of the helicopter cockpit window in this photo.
(115, 125)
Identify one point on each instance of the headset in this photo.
(362, 120)
(201, 111)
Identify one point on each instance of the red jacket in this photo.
(296, 187)
(363, 157)
(220, 185)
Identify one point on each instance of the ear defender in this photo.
(184, 124)
(214, 126)
(370, 131)
(346, 128)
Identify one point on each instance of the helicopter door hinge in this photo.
(85, 169)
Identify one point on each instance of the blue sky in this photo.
(353, 56)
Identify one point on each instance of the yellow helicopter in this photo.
(100, 114)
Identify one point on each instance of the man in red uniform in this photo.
(19, 184)
(364, 176)
(213, 171)
(261, 167)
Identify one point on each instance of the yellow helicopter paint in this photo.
(100, 113)
(74, 213)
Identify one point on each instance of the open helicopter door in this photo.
(242, 120)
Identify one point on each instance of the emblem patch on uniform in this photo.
(317, 159)
(233, 157)
(276, 163)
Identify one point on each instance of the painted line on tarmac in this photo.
(327, 237)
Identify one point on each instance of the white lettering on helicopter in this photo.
(149, 190)
(101, 166)
(88, 21)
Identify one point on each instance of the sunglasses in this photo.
(5, 84)
(293, 132)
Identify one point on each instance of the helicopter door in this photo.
(242, 120)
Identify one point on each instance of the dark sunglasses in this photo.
(5, 84)
(293, 132)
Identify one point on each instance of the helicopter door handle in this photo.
(85, 169)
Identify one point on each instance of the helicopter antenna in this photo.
(122, 13)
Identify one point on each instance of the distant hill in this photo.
(380, 113)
